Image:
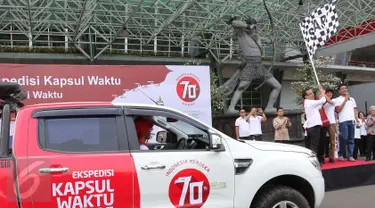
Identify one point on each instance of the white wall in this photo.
(347, 45)
(362, 93)
(361, 77)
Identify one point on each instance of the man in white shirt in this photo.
(329, 109)
(346, 107)
(242, 126)
(312, 112)
(256, 123)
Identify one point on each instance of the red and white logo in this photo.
(189, 188)
(31, 186)
(188, 88)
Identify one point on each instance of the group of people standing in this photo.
(323, 114)
(249, 126)
(364, 137)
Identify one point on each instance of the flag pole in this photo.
(311, 60)
(313, 66)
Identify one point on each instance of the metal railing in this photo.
(362, 64)
(51, 41)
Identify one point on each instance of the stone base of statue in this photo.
(225, 124)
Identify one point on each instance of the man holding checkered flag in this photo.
(316, 30)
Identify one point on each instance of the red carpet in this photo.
(343, 164)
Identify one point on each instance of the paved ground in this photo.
(362, 197)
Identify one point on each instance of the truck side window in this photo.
(80, 134)
(172, 134)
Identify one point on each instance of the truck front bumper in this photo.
(319, 190)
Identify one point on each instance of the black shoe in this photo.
(367, 159)
(331, 160)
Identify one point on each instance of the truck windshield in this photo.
(182, 126)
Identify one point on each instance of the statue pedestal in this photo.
(225, 124)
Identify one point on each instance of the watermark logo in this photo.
(29, 185)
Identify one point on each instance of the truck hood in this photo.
(270, 146)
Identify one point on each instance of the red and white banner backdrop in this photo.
(186, 88)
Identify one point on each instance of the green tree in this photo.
(306, 78)
(217, 96)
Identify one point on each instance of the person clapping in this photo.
(281, 125)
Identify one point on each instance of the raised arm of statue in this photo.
(259, 40)
(265, 40)
(239, 24)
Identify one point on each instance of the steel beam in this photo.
(177, 22)
(31, 29)
(119, 31)
(79, 21)
(171, 18)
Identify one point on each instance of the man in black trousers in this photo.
(314, 122)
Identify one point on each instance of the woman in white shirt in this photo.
(363, 129)
(357, 139)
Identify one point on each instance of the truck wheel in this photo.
(281, 197)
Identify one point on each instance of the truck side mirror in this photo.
(216, 143)
(161, 137)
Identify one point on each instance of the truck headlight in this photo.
(315, 162)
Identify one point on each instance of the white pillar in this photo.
(30, 36)
(126, 37)
(11, 36)
(183, 36)
(169, 44)
(48, 38)
(66, 39)
(230, 48)
(156, 25)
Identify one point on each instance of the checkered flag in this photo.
(319, 26)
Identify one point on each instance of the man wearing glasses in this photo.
(242, 126)
(314, 122)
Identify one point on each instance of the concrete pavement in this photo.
(361, 197)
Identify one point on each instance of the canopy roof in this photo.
(162, 26)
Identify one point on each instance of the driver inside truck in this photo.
(143, 128)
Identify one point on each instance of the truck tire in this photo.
(272, 196)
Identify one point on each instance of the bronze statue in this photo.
(251, 68)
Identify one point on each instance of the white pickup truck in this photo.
(73, 155)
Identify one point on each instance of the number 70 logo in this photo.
(189, 188)
(188, 89)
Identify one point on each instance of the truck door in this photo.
(81, 158)
(183, 172)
